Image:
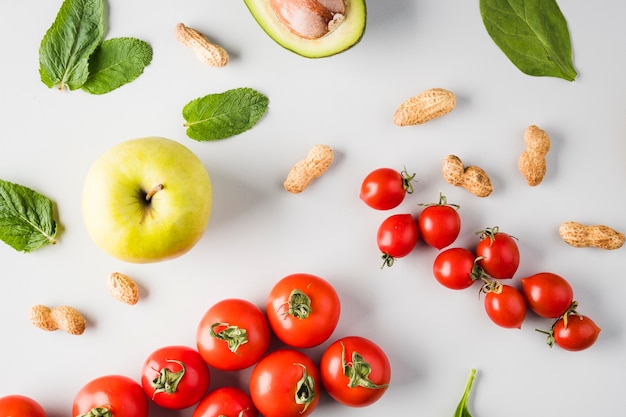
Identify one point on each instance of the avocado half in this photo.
(311, 28)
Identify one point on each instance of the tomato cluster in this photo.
(301, 311)
(495, 257)
(438, 225)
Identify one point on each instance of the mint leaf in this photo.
(26, 221)
(116, 62)
(533, 34)
(65, 48)
(222, 115)
(462, 410)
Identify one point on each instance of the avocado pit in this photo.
(310, 19)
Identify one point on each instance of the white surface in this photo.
(259, 233)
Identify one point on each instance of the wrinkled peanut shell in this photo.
(305, 171)
(424, 107)
(597, 236)
(123, 288)
(474, 179)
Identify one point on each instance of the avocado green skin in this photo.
(344, 37)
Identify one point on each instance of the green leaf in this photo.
(65, 48)
(26, 220)
(462, 409)
(219, 116)
(116, 62)
(533, 34)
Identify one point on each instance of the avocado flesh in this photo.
(341, 38)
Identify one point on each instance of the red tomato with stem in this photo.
(20, 406)
(233, 334)
(226, 402)
(505, 306)
(575, 332)
(548, 295)
(303, 310)
(456, 268)
(355, 371)
(385, 188)
(397, 236)
(439, 224)
(285, 383)
(111, 396)
(175, 377)
(498, 253)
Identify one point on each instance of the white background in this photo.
(259, 233)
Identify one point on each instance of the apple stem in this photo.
(153, 191)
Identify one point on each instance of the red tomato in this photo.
(111, 396)
(285, 383)
(385, 188)
(455, 268)
(355, 371)
(498, 254)
(233, 334)
(397, 237)
(20, 406)
(506, 307)
(548, 295)
(303, 310)
(579, 333)
(439, 224)
(175, 377)
(226, 402)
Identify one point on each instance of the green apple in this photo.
(147, 200)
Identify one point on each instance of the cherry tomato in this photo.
(111, 396)
(175, 377)
(233, 334)
(303, 310)
(226, 402)
(439, 224)
(506, 307)
(455, 268)
(579, 333)
(285, 383)
(385, 188)
(498, 254)
(20, 406)
(355, 371)
(548, 295)
(397, 237)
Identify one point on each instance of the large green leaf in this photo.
(26, 218)
(116, 62)
(222, 115)
(533, 34)
(65, 48)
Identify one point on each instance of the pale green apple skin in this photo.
(178, 215)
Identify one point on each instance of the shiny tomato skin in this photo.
(580, 333)
(237, 315)
(274, 384)
(498, 255)
(20, 406)
(192, 386)
(397, 235)
(548, 295)
(506, 309)
(453, 268)
(303, 310)
(439, 225)
(383, 189)
(226, 401)
(338, 385)
(121, 395)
